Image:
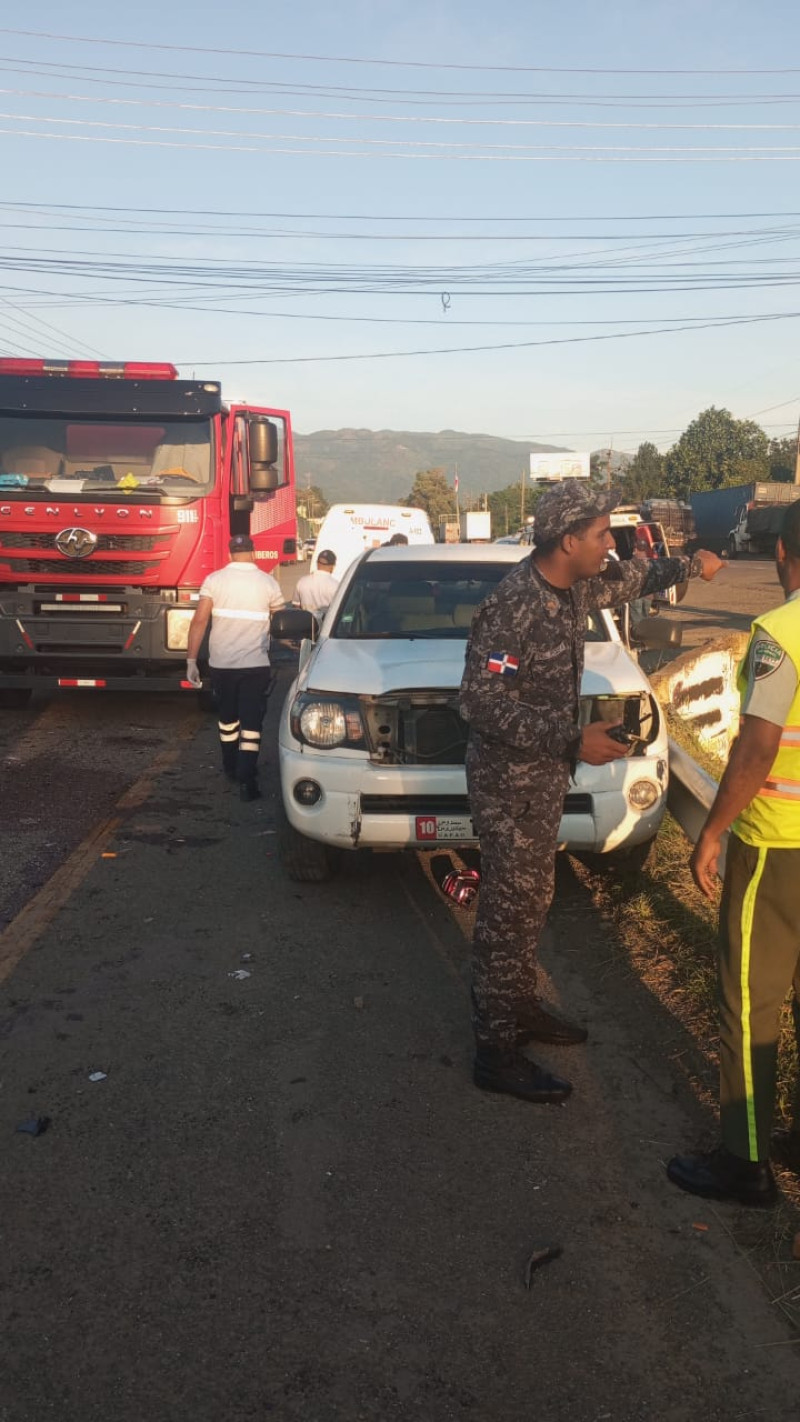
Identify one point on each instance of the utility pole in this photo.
(522, 498)
(797, 456)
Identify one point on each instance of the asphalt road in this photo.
(285, 1198)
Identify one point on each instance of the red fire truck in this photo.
(119, 488)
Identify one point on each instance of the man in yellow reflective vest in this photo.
(759, 928)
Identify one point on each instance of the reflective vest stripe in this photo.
(748, 914)
(238, 614)
(790, 736)
(781, 789)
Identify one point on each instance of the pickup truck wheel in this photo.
(14, 697)
(306, 861)
(733, 551)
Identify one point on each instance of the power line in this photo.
(465, 350)
(250, 53)
(437, 119)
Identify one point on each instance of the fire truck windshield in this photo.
(54, 455)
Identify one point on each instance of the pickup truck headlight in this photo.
(326, 721)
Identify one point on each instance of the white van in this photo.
(348, 529)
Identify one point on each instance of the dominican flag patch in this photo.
(502, 663)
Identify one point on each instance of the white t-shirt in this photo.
(243, 598)
(315, 592)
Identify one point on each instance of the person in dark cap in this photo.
(316, 591)
(521, 697)
(237, 601)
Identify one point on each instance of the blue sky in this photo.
(236, 212)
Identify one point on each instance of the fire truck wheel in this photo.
(306, 861)
(14, 697)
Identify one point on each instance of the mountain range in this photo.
(379, 465)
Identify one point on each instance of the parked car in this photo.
(371, 743)
(306, 549)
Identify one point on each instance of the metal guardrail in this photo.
(690, 795)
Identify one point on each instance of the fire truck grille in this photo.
(106, 542)
(124, 567)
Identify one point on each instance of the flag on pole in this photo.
(455, 482)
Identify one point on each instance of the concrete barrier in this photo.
(700, 687)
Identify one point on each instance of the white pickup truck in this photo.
(371, 743)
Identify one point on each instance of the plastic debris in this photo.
(703, 1228)
(239, 974)
(34, 1126)
(247, 957)
(538, 1259)
(97, 1075)
(358, 1002)
(108, 855)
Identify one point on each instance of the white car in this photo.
(371, 743)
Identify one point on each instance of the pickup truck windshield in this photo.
(52, 455)
(432, 600)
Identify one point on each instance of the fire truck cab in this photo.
(120, 486)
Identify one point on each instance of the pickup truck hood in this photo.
(376, 668)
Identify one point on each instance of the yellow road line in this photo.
(31, 921)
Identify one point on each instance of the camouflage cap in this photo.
(568, 503)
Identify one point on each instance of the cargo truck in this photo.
(744, 518)
(476, 526)
(120, 486)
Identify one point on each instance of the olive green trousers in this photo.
(759, 961)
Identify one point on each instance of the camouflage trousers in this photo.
(517, 816)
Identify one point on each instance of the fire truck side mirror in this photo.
(263, 444)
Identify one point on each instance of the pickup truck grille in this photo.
(576, 803)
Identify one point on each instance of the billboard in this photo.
(565, 464)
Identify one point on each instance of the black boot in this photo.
(502, 1069)
(536, 1024)
(248, 790)
(720, 1175)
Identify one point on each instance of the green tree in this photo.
(432, 492)
(715, 451)
(782, 454)
(644, 477)
(311, 502)
(504, 505)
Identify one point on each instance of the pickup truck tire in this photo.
(306, 861)
(15, 697)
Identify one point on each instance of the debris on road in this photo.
(703, 1228)
(247, 957)
(239, 974)
(538, 1259)
(358, 1002)
(98, 1075)
(34, 1125)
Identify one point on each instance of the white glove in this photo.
(192, 674)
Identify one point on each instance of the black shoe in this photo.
(719, 1175)
(498, 1069)
(535, 1024)
(248, 790)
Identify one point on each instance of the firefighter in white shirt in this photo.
(237, 600)
(315, 592)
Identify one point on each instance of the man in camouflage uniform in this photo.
(521, 697)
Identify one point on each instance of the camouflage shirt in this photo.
(521, 687)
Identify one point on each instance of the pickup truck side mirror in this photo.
(292, 624)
